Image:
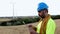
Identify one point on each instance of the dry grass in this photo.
(4, 19)
(23, 29)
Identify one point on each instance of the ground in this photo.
(23, 29)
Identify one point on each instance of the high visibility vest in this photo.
(50, 27)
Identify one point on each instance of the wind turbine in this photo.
(13, 4)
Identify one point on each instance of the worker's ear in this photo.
(46, 10)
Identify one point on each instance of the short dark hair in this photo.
(43, 10)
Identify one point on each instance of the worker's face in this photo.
(42, 13)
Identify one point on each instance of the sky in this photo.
(27, 7)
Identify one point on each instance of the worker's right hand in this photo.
(31, 30)
(29, 25)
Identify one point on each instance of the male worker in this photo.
(46, 25)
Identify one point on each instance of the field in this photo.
(23, 29)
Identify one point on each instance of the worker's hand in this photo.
(29, 25)
(31, 30)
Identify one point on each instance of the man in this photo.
(46, 25)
